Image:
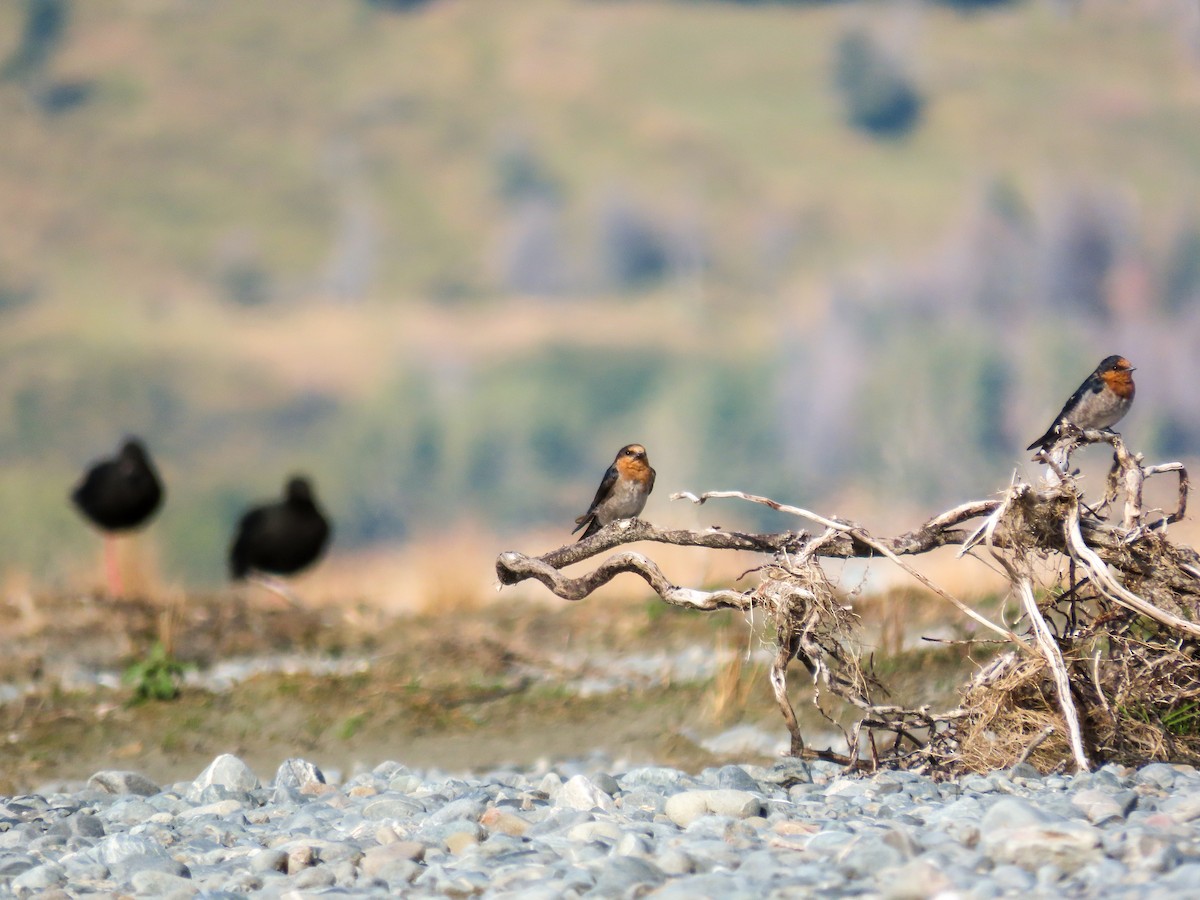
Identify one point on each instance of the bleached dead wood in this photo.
(1021, 525)
(859, 535)
(1053, 655)
(514, 567)
(939, 531)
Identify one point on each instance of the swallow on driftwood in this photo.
(622, 493)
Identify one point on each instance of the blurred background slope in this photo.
(448, 256)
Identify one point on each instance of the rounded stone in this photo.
(377, 859)
(226, 771)
(40, 878)
(391, 807)
(113, 781)
(735, 778)
(499, 821)
(151, 882)
(686, 807)
(296, 778)
(914, 880)
(579, 792)
(269, 860)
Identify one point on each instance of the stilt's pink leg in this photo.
(276, 587)
(112, 567)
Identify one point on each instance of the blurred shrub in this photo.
(350, 270)
(876, 94)
(396, 5)
(990, 380)
(1176, 436)
(245, 283)
(1084, 238)
(532, 257)
(63, 96)
(42, 32)
(239, 272)
(1181, 274)
(772, 2)
(975, 5)
(521, 175)
(13, 296)
(634, 251)
(990, 266)
(158, 676)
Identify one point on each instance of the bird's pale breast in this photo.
(1101, 410)
(626, 501)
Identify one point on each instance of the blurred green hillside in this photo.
(449, 258)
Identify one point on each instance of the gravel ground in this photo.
(595, 828)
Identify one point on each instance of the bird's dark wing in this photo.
(650, 483)
(593, 525)
(606, 486)
(1094, 384)
(1045, 439)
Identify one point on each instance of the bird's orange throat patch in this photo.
(637, 469)
(1120, 383)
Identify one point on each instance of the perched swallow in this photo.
(121, 493)
(623, 492)
(1101, 401)
(280, 538)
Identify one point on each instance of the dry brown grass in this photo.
(1009, 710)
(737, 678)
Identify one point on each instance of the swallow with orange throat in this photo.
(623, 491)
(1100, 402)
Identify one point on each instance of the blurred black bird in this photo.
(280, 538)
(119, 495)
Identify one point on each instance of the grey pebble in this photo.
(606, 783)
(579, 792)
(11, 865)
(295, 779)
(270, 860)
(389, 807)
(623, 873)
(158, 883)
(227, 772)
(1159, 775)
(118, 782)
(40, 878)
(686, 807)
(1100, 806)
(736, 778)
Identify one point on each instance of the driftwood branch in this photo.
(518, 567)
(628, 531)
(940, 531)
(932, 534)
(847, 541)
(1127, 567)
(1116, 592)
(1053, 656)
